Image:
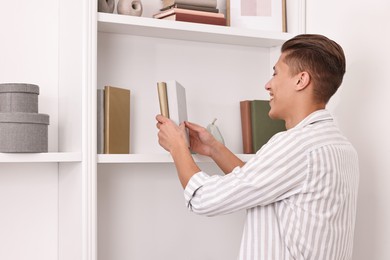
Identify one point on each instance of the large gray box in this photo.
(23, 132)
(18, 97)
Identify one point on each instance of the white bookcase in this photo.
(71, 203)
(140, 206)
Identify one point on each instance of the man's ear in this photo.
(303, 80)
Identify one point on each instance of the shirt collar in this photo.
(316, 116)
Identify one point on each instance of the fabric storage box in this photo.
(23, 132)
(18, 97)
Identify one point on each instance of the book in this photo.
(206, 3)
(163, 98)
(172, 11)
(196, 19)
(246, 126)
(192, 7)
(175, 97)
(284, 16)
(116, 120)
(228, 13)
(100, 121)
(177, 102)
(263, 127)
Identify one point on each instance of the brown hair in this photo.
(321, 57)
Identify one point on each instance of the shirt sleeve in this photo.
(265, 179)
(195, 182)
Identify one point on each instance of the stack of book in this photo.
(257, 126)
(196, 11)
(113, 120)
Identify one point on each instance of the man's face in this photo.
(281, 90)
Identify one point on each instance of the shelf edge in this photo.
(56, 157)
(154, 158)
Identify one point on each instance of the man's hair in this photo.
(321, 57)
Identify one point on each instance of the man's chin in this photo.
(274, 116)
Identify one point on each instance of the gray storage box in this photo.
(23, 132)
(18, 97)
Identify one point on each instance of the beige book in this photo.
(116, 120)
(163, 98)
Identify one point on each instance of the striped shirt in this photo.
(299, 191)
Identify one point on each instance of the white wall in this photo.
(362, 108)
(29, 192)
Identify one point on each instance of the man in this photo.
(300, 189)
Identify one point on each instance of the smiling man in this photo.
(300, 189)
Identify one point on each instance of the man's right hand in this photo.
(201, 141)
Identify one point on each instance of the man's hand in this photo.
(170, 135)
(173, 139)
(204, 143)
(201, 141)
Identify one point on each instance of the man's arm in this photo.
(204, 143)
(172, 138)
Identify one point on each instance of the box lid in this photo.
(19, 87)
(31, 118)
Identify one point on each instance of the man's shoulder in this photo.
(311, 135)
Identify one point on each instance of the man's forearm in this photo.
(185, 164)
(225, 159)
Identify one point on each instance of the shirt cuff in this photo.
(195, 183)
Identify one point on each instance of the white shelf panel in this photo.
(39, 157)
(150, 27)
(153, 158)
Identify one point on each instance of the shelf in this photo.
(150, 27)
(39, 157)
(154, 158)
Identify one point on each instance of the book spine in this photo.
(197, 19)
(246, 126)
(227, 12)
(192, 7)
(206, 3)
(186, 11)
(163, 98)
(100, 121)
(284, 16)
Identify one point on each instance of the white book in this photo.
(177, 103)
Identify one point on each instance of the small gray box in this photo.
(18, 97)
(23, 132)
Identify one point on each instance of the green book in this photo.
(263, 127)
